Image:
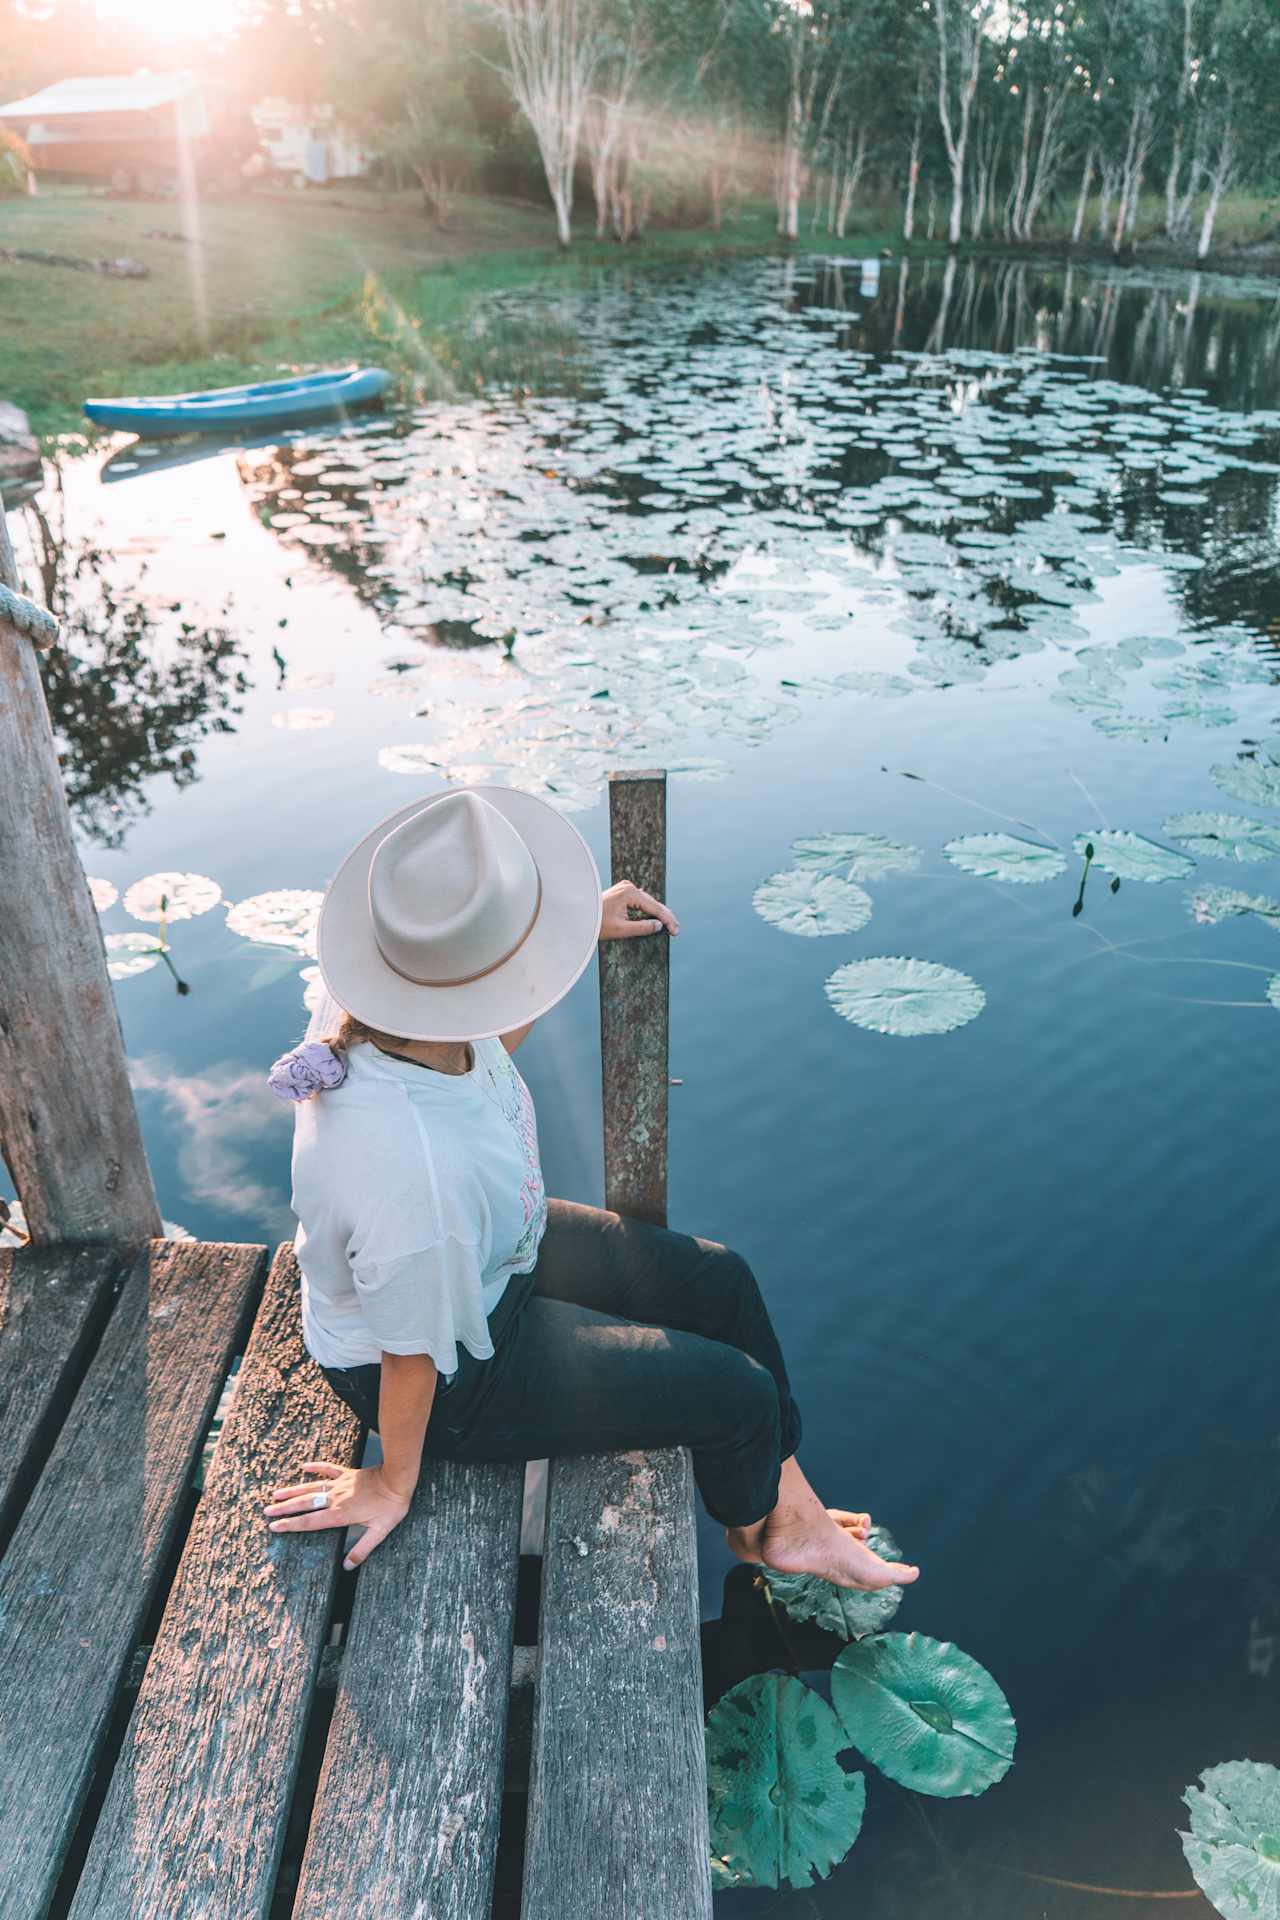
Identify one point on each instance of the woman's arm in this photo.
(376, 1498)
(405, 1398)
(626, 912)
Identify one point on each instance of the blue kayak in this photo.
(272, 402)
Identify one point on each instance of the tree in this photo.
(554, 51)
(961, 27)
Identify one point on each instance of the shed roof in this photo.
(102, 93)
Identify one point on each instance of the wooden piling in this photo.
(69, 1131)
(634, 1003)
(618, 1794)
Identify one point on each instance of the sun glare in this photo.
(174, 19)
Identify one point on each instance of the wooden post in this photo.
(618, 1791)
(634, 1004)
(68, 1127)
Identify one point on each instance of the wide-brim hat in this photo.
(460, 916)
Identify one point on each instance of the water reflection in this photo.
(132, 688)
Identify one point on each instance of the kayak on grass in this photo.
(300, 397)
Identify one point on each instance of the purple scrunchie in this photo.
(305, 1070)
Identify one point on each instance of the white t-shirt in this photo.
(418, 1195)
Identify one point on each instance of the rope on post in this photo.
(36, 622)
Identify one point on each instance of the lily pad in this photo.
(893, 994)
(923, 1712)
(1209, 906)
(135, 953)
(1224, 836)
(1273, 991)
(842, 1610)
(1131, 856)
(284, 918)
(781, 1806)
(102, 892)
(855, 856)
(1233, 1848)
(799, 901)
(184, 895)
(1256, 782)
(1003, 856)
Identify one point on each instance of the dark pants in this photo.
(623, 1335)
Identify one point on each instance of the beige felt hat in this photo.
(460, 916)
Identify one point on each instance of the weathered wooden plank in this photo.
(78, 1577)
(618, 1795)
(634, 1001)
(68, 1128)
(194, 1818)
(53, 1304)
(406, 1814)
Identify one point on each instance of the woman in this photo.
(447, 1301)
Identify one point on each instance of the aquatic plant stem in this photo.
(966, 801)
(1114, 1893)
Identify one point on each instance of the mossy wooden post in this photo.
(68, 1127)
(634, 1000)
(618, 1792)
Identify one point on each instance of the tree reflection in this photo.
(131, 690)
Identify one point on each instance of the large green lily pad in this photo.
(1233, 1848)
(1224, 836)
(781, 1806)
(893, 994)
(1003, 856)
(842, 1610)
(855, 856)
(924, 1713)
(798, 901)
(1131, 856)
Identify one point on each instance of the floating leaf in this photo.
(1131, 856)
(1256, 782)
(799, 901)
(1273, 991)
(284, 918)
(923, 1712)
(1224, 836)
(1233, 1848)
(1003, 856)
(892, 994)
(855, 856)
(843, 1610)
(1211, 905)
(139, 952)
(184, 895)
(781, 1806)
(102, 893)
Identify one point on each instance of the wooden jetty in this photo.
(167, 1664)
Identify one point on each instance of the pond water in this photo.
(934, 555)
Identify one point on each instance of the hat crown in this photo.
(453, 890)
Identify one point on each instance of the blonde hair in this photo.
(351, 1032)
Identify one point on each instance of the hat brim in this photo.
(540, 971)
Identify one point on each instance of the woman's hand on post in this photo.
(629, 910)
(355, 1497)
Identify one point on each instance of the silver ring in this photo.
(319, 1499)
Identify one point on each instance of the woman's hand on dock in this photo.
(629, 910)
(354, 1497)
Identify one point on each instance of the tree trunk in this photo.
(1082, 199)
(913, 181)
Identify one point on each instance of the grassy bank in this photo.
(245, 289)
(252, 287)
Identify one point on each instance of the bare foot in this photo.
(815, 1543)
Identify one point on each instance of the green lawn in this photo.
(275, 281)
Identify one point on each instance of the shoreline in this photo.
(390, 289)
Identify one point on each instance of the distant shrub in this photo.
(15, 164)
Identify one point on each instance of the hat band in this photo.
(461, 979)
